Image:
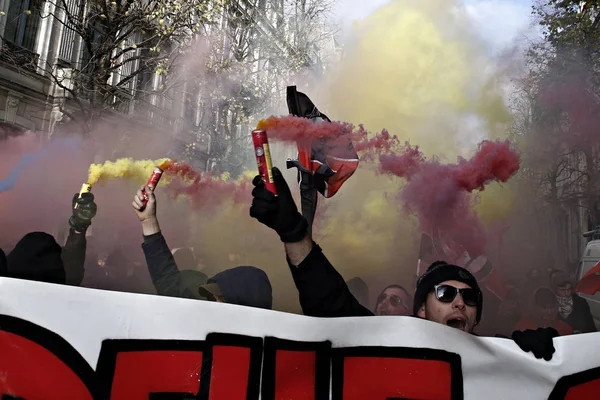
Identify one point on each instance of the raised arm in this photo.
(73, 253)
(323, 291)
(161, 263)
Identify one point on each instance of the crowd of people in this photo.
(446, 294)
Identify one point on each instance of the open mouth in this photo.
(457, 323)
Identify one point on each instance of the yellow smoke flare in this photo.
(128, 168)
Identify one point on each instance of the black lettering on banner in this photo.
(381, 373)
(231, 367)
(580, 386)
(307, 377)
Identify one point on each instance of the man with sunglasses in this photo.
(393, 300)
(441, 295)
(449, 295)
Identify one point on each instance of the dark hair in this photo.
(439, 272)
(544, 297)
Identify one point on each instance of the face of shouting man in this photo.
(449, 295)
(452, 303)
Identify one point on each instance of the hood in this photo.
(246, 286)
(36, 257)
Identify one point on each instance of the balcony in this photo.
(18, 57)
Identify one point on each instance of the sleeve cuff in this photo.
(315, 252)
(152, 238)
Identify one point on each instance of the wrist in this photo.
(297, 232)
(150, 226)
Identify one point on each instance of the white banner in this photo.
(60, 342)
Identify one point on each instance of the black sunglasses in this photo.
(395, 301)
(447, 294)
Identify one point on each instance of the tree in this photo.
(560, 114)
(109, 52)
(260, 47)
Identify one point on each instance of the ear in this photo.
(422, 313)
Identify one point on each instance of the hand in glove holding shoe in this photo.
(278, 212)
(539, 342)
(84, 209)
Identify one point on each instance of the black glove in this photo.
(539, 342)
(278, 212)
(84, 209)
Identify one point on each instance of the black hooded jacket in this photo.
(38, 257)
(322, 290)
(246, 286)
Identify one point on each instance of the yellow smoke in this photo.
(128, 168)
(417, 69)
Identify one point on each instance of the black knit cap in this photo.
(441, 271)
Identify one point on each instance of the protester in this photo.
(38, 257)
(393, 300)
(445, 293)
(73, 254)
(533, 281)
(544, 314)
(244, 285)
(359, 290)
(572, 309)
(509, 314)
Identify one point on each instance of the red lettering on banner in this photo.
(37, 364)
(140, 373)
(580, 386)
(380, 373)
(229, 373)
(384, 378)
(584, 391)
(33, 372)
(232, 367)
(295, 370)
(295, 375)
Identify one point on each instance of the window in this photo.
(22, 23)
(69, 36)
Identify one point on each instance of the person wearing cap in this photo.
(446, 294)
(243, 285)
(572, 309)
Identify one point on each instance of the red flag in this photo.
(590, 282)
(434, 247)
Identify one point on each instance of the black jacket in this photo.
(322, 290)
(580, 318)
(243, 285)
(164, 272)
(73, 257)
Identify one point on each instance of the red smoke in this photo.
(293, 129)
(438, 194)
(203, 189)
(573, 99)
